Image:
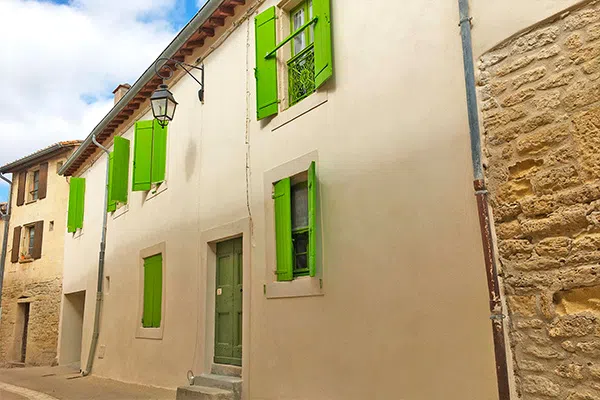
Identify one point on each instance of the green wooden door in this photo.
(228, 304)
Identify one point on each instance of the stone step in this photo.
(231, 383)
(229, 370)
(203, 393)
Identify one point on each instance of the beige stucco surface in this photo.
(404, 311)
(40, 280)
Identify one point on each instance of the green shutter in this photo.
(120, 171)
(266, 69)
(312, 214)
(157, 297)
(147, 319)
(283, 229)
(323, 54)
(111, 205)
(76, 204)
(152, 292)
(159, 153)
(142, 156)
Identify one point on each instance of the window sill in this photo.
(299, 287)
(157, 190)
(149, 333)
(31, 201)
(78, 233)
(299, 109)
(26, 261)
(120, 211)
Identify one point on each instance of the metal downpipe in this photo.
(6, 218)
(481, 194)
(99, 293)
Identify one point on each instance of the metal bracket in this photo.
(497, 317)
(183, 66)
(462, 21)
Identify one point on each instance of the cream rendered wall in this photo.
(405, 311)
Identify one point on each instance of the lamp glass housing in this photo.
(163, 105)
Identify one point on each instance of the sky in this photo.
(61, 60)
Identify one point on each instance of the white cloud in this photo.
(61, 62)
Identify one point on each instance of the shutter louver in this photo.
(21, 189)
(111, 205)
(323, 53)
(312, 214)
(38, 240)
(16, 245)
(266, 68)
(159, 153)
(43, 183)
(283, 229)
(76, 204)
(120, 171)
(142, 156)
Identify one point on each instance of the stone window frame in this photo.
(140, 331)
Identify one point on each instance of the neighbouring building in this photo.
(31, 292)
(308, 230)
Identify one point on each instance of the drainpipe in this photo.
(481, 194)
(6, 218)
(99, 294)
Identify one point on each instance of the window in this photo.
(308, 57)
(149, 155)
(59, 166)
(295, 211)
(301, 66)
(27, 242)
(34, 185)
(76, 203)
(152, 308)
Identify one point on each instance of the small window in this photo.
(51, 227)
(301, 67)
(152, 312)
(27, 242)
(59, 166)
(34, 185)
(295, 210)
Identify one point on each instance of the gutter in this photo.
(485, 221)
(199, 19)
(6, 218)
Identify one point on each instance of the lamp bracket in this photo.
(165, 66)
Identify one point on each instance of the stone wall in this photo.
(540, 104)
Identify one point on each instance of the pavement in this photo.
(63, 383)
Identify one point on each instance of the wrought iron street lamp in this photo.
(162, 100)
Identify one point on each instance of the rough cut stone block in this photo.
(572, 325)
(540, 385)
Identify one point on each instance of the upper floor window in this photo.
(306, 53)
(27, 242)
(149, 155)
(34, 185)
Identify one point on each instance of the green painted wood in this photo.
(142, 156)
(111, 205)
(120, 171)
(323, 48)
(76, 204)
(152, 313)
(312, 218)
(266, 68)
(159, 153)
(229, 303)
(283, 229)
(147, 318)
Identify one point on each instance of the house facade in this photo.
(31, 292)
(310, 224)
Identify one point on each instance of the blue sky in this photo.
(68, 74)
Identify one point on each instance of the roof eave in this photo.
(32, 158)
(199, 19)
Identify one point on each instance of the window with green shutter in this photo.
(310, 61)
(295, 222)
(111, 204)
(149, 155)
(119, 175)
(152, 312)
